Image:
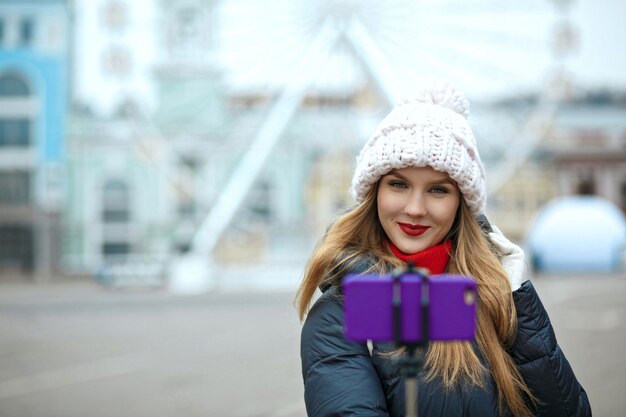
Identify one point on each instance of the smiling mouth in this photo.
(413, 230)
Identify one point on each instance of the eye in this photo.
(437, 189)
(397, 184)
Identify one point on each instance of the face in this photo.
(417, 207)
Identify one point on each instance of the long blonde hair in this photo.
(358, 234)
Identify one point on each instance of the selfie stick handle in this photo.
(412, 362)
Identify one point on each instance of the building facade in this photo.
(157, 131)
(589, 148)
(34, 58)
(582, 153)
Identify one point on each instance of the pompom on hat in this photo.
(428, 129)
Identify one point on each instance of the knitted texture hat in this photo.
(428, 129)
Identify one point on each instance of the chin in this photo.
(410, 249)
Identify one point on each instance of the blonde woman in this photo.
(420, 188)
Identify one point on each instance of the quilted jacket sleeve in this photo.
(542, 362)
(339, 378)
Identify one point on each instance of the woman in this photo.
(420, 186)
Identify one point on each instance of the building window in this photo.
(12, 85)
(189, 169)
(14, 187)
(16, 246)
(27, 30)
(261, 201)
(188, 27)
(116, 213)
(186, 208)
(114, 249)
(586, 187)
(15, 132)
(1, 31)
(116, 202)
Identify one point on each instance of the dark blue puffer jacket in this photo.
(342, 379)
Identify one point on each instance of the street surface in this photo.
(76, 349)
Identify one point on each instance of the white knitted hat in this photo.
(428, 129)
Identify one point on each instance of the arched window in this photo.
(13, 85)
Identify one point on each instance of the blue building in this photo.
(34, 61)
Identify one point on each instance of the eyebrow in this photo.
(444, 179)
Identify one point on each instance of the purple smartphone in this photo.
(369, 300)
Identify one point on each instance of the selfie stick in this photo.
(409, 308)
(411, 363)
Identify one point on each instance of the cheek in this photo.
(382, 213)
(387, 204)
(447, 213)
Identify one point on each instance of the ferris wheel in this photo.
(493, 50)
(489, 48)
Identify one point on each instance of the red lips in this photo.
(413, 230)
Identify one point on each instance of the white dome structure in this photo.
(578, 234)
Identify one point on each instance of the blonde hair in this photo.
(358, 234)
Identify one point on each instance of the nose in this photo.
(415, 206)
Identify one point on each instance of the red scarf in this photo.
(435, 258)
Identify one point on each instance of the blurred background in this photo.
(166, 167)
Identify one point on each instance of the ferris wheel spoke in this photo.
(479, 7)
(494, 36)
(245, 173)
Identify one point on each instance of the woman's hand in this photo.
(513, 258)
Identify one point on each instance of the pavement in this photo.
(78, 349)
